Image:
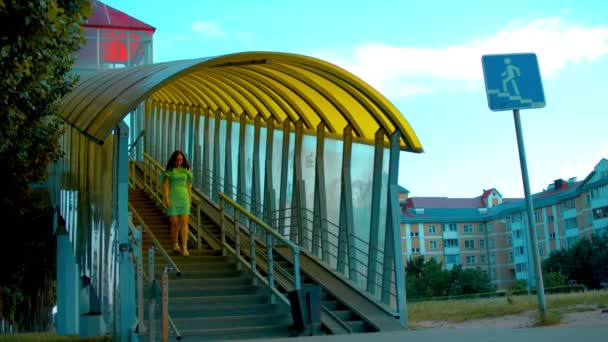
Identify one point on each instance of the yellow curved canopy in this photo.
(277, 86)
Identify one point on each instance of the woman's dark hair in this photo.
(171, 163)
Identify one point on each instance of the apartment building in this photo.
(491, 233)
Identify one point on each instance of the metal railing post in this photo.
(140, 280)
(222, 226)
(152, 293)
(252, 248)
(237, 239)
(296, 269)
(269, 248)
(198, 226)
(165, 305)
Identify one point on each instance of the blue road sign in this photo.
(513, 81)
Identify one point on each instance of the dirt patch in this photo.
(577, 316)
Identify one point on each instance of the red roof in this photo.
(108, 17)
(446, 202)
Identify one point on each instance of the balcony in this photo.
(599, 202)
(600, 223)
(569, 213)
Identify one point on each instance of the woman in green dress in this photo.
(177, 190)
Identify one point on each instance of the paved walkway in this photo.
(552, 334)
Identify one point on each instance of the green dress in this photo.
(179, 196)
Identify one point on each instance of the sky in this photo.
(425, 57)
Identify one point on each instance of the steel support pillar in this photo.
(320, 237)
(374, 226)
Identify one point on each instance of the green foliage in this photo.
(554, 279)
(519, 285)
(586, 262)
(38, 39)
(428, 279)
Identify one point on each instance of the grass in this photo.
(467, 309)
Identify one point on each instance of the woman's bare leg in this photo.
(183, 223)
(174, 232)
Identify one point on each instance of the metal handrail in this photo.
(173, 326)
(139, 136)
(155, 241)
(270, 233)
(262, 224)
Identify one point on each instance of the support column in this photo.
(298, 206)
(255, 172)
(217, 176)
(374, 226)
(228, 160)
(269, 195)
(241, 182)
(126, 270)
(393, 255)
(68, 290)
(346, 237)
(284, 166)
(319, 229)
(207, 178)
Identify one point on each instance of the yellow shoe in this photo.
(176, 248)
(185, 252)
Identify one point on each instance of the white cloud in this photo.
(583, 167)
(208, 29)
(404, 71)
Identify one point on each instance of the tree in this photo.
(428, 279)
(38, 40)
(468, 281)
(586, 262)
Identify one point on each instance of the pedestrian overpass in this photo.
(286, 151)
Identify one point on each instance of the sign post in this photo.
(513, 82)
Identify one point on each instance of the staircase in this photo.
(336, 316)
(211, 300)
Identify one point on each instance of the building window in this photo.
(600, 213)
(450, 243)
(452, 259)
(450, 227)
(550, 218)
(483, 259)
(568, 204)
(491, 243)
(571, 241)
(509, 241)
(521, 267)
(492, 259)
(480, 227)
(482, 243)
(540, 249)
(414, 234)
(570, 223)
(536, 216)
(517, 233)
(601, 192)
(493, 274)
(415, 250)
(490, 227)
(470, 244)
(471, 259)
(433, 244)
(551, 235)
(432, 229)
(519, 250)
(468, 228)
